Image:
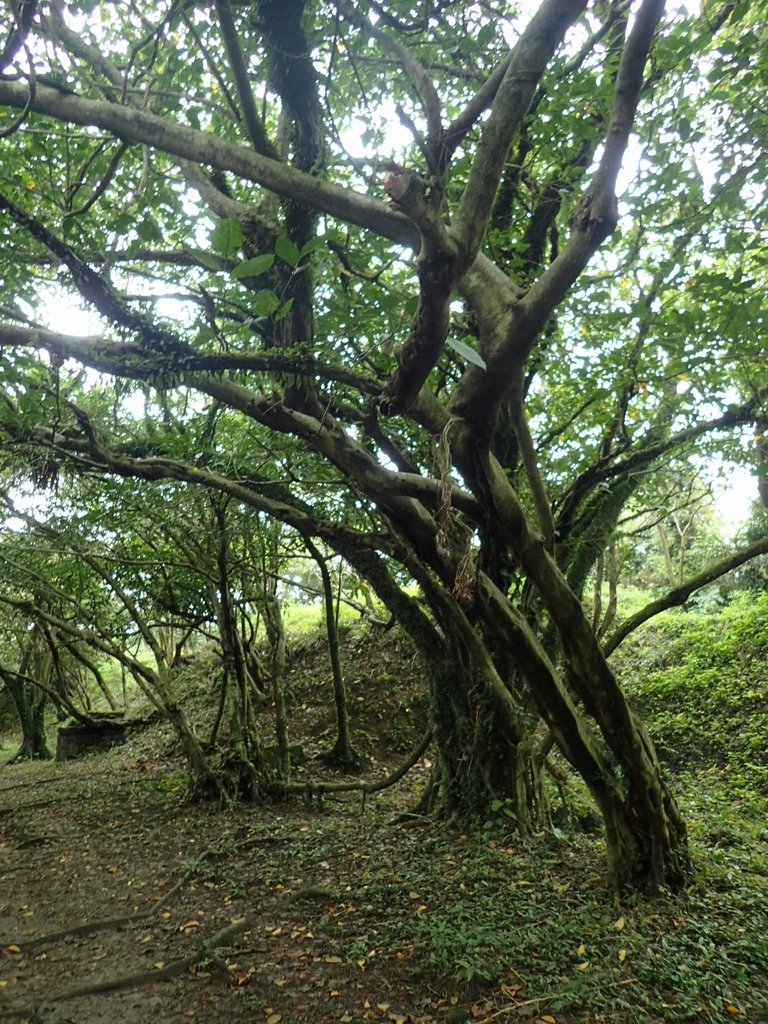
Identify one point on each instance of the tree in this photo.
(436, 358)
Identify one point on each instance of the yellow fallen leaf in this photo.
(622, 955)
(2, 985)
(382, 1006)
(189, 925)
(12, 949)
(733, 1009)
(275, 932)
(583, 966)
(548, 1019)
(274, 1018)
(582, 949)
(159, 964)
(619, 925)
(333, 960)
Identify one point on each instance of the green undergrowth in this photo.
(528, 923)
(701, 682)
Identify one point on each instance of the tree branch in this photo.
(253, 125)
(593, 220)
(527, 63)
(166, 135)
(679, 595)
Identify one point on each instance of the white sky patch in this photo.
(61, 314)
(735, 491)
(398, 138)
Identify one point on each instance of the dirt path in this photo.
(107, 879)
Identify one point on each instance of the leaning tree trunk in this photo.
(645, 834)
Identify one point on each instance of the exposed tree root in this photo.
(107, 923)
(36, 783)
(311, 789)
(206, 949)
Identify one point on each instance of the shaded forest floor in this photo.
(110, 880)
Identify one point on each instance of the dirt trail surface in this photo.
(108, 878)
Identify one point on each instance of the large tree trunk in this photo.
(30, 704)
(486, 752)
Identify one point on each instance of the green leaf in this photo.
(265, 302)
(149, 230)
(227, 237)
(254, 267)
(311, 246)
(208, 260)
(287, 250)
(460, 348)
(286, 309)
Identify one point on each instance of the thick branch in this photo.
(133, 361)
(528, 61)
(253, 125)
(201, 147)
(592, 221)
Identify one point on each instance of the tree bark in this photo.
(343, 753)
(30, 707)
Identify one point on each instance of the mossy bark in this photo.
(30, 707)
